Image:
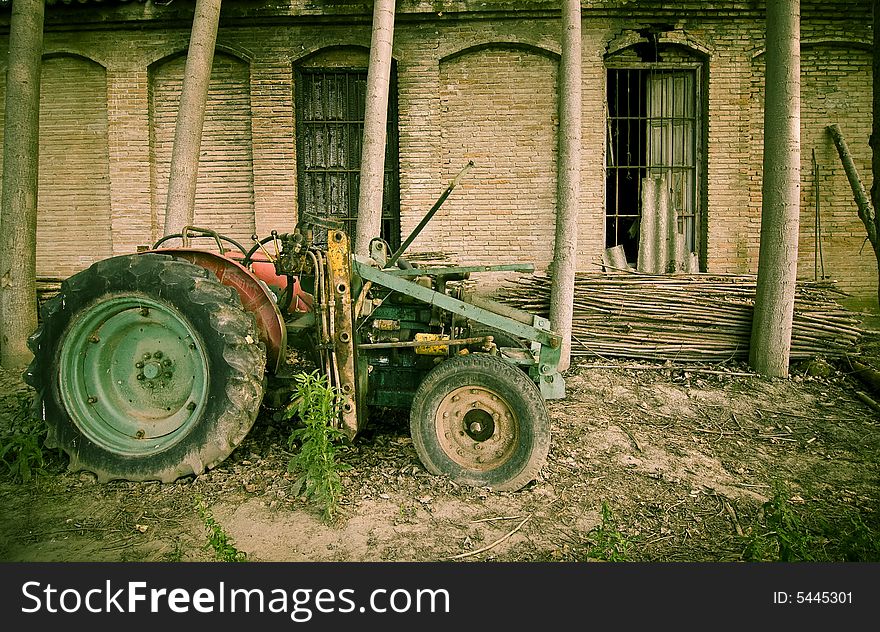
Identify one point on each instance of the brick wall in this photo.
(836, 88)
(478, 81)
(498, 108)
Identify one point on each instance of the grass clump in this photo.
(317, 405)
(218, 539)
(606, 542)
(21, 443)
(787, 535)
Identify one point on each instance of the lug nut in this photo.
(140, 376)
(138, 365)
(167, 374)
(157, 355)
(139, 434)
(145, 311)
(192, 345)
(147, 356)
(166, 363)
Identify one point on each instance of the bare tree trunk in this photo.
(780, 212)
(369, 221)
(18, 220)
(875, 140)
(568, 185)
(181, 199)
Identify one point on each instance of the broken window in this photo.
(330, 106)
(654, 129)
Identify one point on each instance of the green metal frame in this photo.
(450, 270)
(546, 345)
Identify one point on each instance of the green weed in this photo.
(606, 542)
(317, 405)
(786, 535)
(21, 444)
(218, 539)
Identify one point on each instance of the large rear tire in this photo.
(482, 422)
(148, 368)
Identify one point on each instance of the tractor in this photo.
(154, 365)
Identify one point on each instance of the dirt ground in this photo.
(684, 460)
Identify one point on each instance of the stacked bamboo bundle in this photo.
(689, 318)
(47, 287)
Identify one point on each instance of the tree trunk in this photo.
(780, 212)
(568, 184)
(181, 200)
(369, 220)
(18, 220)
(875, 139)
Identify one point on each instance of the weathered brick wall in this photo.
(835, 88)
(498, 108)
(481, 84)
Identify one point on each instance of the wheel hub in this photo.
(479, 424)
(154, 371)
(133, 407)
(476, 428)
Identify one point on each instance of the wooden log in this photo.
(867, 375)
(648, 260)
(863, 202)
(615, 258)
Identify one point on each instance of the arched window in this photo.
(225, 187)
(655, 128)
(73, 216)
(331, 89)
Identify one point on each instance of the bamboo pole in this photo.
(685, 317)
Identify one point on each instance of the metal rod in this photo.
(427, 218)
(263, 248)
(425, 343)
(819, 218)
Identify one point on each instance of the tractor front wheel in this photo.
(481, 421)
(148, 367)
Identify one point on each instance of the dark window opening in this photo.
(653, 129)
(330, 106)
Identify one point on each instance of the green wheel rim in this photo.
(133, 375)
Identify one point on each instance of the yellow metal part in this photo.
(435, 350)
(342, 330)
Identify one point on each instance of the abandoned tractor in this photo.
(153, 366)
